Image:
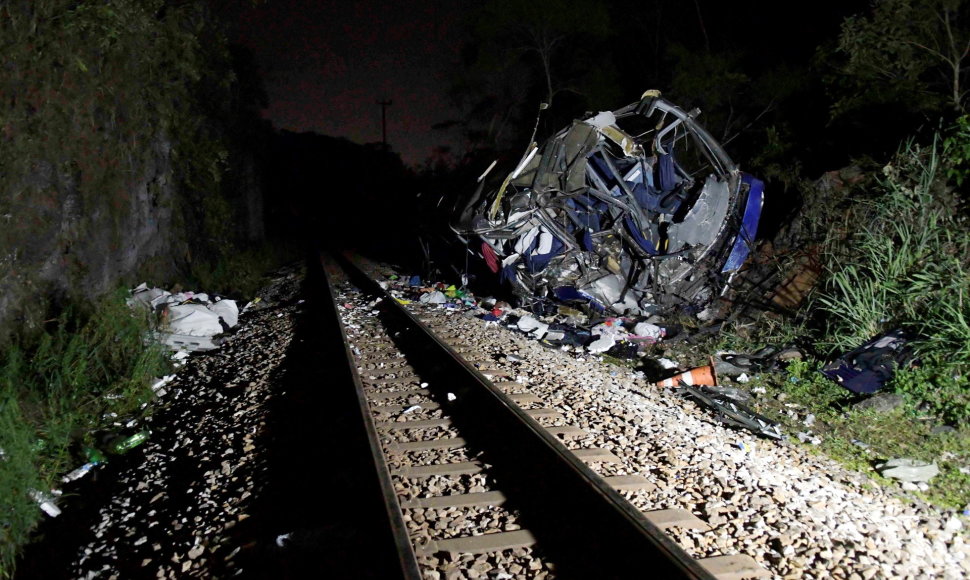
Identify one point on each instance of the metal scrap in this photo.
(636, 211)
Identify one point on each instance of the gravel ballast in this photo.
(798, 515)
(235, 476)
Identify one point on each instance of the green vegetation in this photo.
(896, 256)
(58, 389)
(118, 116)
(906, 264)
(115, 113)
(909, 52)
(860, 438)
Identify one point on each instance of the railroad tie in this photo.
(420, 471)
(510, 385)
(567, 431)
(494, 372)
(735, 567)
(385, 360)
(449, 443)
(523, 398)
(480, 544)
(485, 498)
(596, 454)
(394, 394)
(376, 348)
(378, 381)
(428, 406)
(676, 518)
(544, 414)
(418, 424)
(629, 483)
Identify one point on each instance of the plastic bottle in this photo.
(78, 473)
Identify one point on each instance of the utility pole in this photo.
(384, 105)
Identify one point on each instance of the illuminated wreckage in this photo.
(637, 211)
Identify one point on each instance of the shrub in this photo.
(905, 264)
(56, 389)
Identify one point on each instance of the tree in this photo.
(521, 53)
(910, 52)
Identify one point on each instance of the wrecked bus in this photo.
(637, 211)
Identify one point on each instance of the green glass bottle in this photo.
(125, 445)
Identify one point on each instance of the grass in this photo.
(56, 388)
(906, 265)
(897, 256)
(860, 438)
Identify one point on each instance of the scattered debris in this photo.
(731, 412)
(78, 473)
(46, 501)
(911, 470)
(880, 403)
(867, 368)
(186, 320)
(701, 376)
(123, 445)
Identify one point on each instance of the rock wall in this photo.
(116, 141)
(57, 243)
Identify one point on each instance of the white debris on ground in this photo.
(175, 511)
(186, 320)
(798, 515)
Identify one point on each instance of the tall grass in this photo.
(906, 264)
(56, 389)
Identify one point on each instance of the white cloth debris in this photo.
(435, 297)
(532, 326)
(192, 320)
(602, 344)
(609, 328)
(647, 330)
(226, 309)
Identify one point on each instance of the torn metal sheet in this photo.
(636, 211)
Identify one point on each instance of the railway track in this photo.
(474, 471)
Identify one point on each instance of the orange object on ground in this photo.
(700, 376)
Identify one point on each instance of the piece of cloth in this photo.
(868, 368)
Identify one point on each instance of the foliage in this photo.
(109, 107)
(241, 273)
(519, 54)
(859, 438)
(56, 391)
(957, 147)
(806, 383)
(906, 264)
(906, 51)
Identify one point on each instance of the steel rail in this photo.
(398, 529)
(616, 539)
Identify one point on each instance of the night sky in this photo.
(326, 64)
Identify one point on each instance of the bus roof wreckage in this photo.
(637, 212)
